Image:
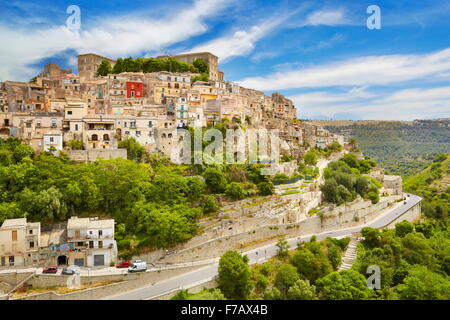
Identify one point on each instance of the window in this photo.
(106, 138)
(100, 244)
(30, 232)
(51, 139)
(138, 133)
(31, 244)
(76, 127)
(91, 244)
(14, 235)
(70, 111)
(94, 137)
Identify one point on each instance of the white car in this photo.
(138, 266)
(71, 270)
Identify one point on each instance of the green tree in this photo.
(235, 191)
(118, 66)
(371, 237)
(209, 204)
(344, 285)
(302, 290)
(135, 151)
(266, 188)
(403, 228)
(215, 180)
(234, 276)
(283, 248)
(310, 158)
(374, 197)
(330, 191)
(75, 144)
(334, 256)
(201, 65)
(104, 68)
(311, 266)
(422, 284)
(273, 294)
(286, 276)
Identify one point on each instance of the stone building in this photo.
(19, 242)
(89, 63)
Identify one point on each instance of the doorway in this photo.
(62, 260)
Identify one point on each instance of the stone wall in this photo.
(93, 155)
(245, 241)
(127, 282)
(14, 278)
(47, 280)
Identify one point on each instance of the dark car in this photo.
(50, 270)
(124, 264)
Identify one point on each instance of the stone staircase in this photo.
(350, 253)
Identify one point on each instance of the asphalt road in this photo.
(257, 256)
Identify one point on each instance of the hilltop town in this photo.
(74, 197)
(88, 114)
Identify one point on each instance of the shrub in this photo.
(266, 188)
(235, 191)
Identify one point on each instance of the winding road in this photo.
(259, 255)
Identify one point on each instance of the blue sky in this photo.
(319, 53)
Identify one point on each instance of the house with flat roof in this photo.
(92, 240)
(19, 242)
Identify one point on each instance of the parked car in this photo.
(138, 266)
(50, 270)
(124, 264)
(71, 270)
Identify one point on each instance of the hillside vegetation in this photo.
(433, 184)
(399, 147)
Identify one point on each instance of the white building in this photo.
(92, 240)
(52, 140)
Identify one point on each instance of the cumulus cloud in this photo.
(114, 36)
(363, 71)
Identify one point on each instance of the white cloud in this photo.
(363, 71)
(242, 42)
(326, 17)
(114, 36)
(406, 104)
